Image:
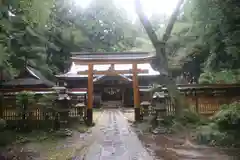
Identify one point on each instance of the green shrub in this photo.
(24, 98)
(208, 134)
(228, 118)
(206, 78)
(224, 76)
(168, 120)
(190, 117)
(224, 129)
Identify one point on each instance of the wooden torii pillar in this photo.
(89, 111)
(136, 93)
(90, 72)
(91, 59)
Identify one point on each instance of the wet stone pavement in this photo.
(114, 140)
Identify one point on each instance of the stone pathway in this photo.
(115, 140)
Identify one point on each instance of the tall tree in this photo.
(215, 26)
(161, 61)
(107, 26)
(42, 34)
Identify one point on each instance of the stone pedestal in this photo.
(89, 117)
(137, 114)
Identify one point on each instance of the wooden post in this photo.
(136, 93)
(196, 101)
(90, 95)
(123, 90)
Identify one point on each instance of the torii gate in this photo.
(92, 59)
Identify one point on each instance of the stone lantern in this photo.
(159, 105)
(145, 105)
(62, 105)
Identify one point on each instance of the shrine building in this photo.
(124, 77)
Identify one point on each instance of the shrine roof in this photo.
(75, 68)
(29, 77)
(103, 56)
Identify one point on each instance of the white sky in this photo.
(150, 6)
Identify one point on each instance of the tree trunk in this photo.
(176, 97)
(169, 82)
(161, 61)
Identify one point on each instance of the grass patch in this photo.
(12, 137)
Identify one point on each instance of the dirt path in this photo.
(171, 148)
(175, 146)
(114, 140)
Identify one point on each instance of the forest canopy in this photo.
(204, 39)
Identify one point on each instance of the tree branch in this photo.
(172, 21)
(161, 60)
(146, 24)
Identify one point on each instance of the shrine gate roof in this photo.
(102, 61)
(74, 69)
(111, 57)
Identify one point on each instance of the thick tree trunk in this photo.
(169, 82)
(161, 61)
(177, 98)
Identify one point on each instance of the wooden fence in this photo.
(36, 117)
(206, 99)
(170, 106)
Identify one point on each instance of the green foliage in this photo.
(24, 98)
(209, 134)
(223, 77)
(226, 76)
(48, 103)
(224, 128)
(190, 118)
(206, 78)
(43, 34)
(168, 120)
(228, 118)
(31, 137)
(47, 99)
(210, 40)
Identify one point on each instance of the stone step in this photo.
(111, 104)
